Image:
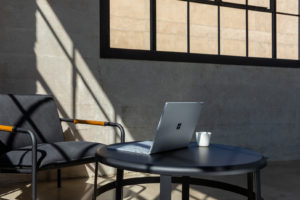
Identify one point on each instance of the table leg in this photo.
(119, 184)
(250, 186)
(165, 187)
(95, 181)
(185, 188)
(257, 185)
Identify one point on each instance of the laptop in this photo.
(174, 130)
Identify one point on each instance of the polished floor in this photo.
(280, 181)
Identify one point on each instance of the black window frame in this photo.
(107, 52)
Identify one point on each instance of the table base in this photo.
(186, 181)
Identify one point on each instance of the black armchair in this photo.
(31, 138)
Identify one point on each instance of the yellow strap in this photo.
(79, 121)
(6, 128)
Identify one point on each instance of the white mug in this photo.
(203, 138)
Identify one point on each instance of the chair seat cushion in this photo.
(51, 155)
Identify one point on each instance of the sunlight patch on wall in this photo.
(71, 78)
(50, 32)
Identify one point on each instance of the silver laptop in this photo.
(174, 130)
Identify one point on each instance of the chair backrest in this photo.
(37, 113)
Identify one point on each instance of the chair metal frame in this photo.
(34, 169)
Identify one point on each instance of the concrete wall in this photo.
(52, 47)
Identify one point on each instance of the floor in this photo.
(280, 181)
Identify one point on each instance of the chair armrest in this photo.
(13, 129)
(6, 128)
(97, 123)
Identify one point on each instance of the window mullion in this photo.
(298, 30)
(247, 30)
(105, 26)
(274, 29)
(152, 25)
(219, 31)
(188, 26)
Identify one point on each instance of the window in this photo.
(129, 25)
(204, 32)
(245, 32)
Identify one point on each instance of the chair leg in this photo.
(34, 170)
(95, 181)
(59, 178)
(33, 184)
(119, 186)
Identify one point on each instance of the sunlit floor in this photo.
(280, 181)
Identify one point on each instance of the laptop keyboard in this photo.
(135, 147)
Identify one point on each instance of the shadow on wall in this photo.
(19, 72)
(243, 103)
(136, 91)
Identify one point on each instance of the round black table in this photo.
(184, 165)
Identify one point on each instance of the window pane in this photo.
(288, 6)
(171, 25)
(233, 31)
(261, 3)
(260, 34)
(130, 25)
(203, 28)
(235, 1)
(287, 37)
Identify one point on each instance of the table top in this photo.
(217, 159)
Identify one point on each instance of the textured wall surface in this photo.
(53, 47)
